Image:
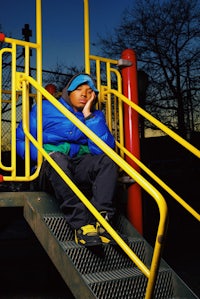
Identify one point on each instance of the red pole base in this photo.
(134, 207)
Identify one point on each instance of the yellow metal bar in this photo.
(25, 123)
(123, 164)
(2, 51)
(13, 112)
(157, 123)
(39, 75)
(119, 119)
(14, 95)
(160, 182)
(27, 60)
(86, 36)
(188, 146)
(98, 76)
(103, 59)
(159, 242)
(20, 42)
(108, 101)
(39, 41)
(111, 153)
(18, 94)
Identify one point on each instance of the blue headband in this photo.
(82, 79)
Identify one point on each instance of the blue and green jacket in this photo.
(60, 134)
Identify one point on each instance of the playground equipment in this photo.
(136, 270)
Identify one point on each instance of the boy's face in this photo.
(80, 96)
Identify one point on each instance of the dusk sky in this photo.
(62, 23)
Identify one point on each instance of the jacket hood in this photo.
(74, 82)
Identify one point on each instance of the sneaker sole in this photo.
(88, 244)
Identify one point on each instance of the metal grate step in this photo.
(85, 260)
(107, 274)
(128, 283)
(110, 273)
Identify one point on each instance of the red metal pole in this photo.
(131, 133)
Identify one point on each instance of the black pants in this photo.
(95, 176)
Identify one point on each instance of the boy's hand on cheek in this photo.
(87, 109)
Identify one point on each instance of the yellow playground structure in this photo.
(134, 269)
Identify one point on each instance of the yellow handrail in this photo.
(104, 92)
(149, 273)
(176, 137)
(157, 123)
(160, 182)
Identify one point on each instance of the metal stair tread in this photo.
(50, 220)
(94, 260)
(111, 275)
(118, 274)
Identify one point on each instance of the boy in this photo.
(85, 163)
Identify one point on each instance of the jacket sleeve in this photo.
(98, 125)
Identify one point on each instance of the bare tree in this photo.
(165, 35)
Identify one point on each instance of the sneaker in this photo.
(103, 234)
(87, 235)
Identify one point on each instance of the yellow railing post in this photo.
(86, 36)
(39, 74)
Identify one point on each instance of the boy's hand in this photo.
(87, 109)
